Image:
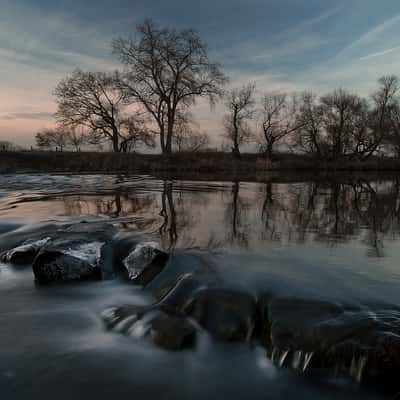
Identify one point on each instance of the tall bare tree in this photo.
(278, 119)
(95, 101)
(240, 103)
(167, 70)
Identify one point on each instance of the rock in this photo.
(166, 331)
(25, 253)
(318, 335)
(183, 293)
(65, 260)
(120, 319)
(226, 314)
(145, 262)
(172, 333)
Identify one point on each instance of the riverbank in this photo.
(198, 166)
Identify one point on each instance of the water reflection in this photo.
(251, 216)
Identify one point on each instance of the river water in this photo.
(334, 240)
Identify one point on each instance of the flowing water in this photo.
(336, 241)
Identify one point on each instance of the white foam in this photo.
(90, 252)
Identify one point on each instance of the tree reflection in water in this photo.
(249, 216)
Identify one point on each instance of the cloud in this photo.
(27, 115)
(380, 53)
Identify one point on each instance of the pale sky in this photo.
(287, 45)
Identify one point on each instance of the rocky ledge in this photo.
(308, 335)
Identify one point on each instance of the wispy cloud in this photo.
(380, 53)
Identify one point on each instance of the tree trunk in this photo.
(115, 141)
(170, 132)
(269, 151)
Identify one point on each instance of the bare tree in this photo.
(309, 137)
(383, 115)
(76, 139)
(187, 136)
(52, 138)
(345, 120)
(278, 119)
(95, 101)
(240, 104)
(5, 145)
(167, 70)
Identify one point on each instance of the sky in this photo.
(281, 45)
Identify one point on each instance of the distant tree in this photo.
(346, 125)
(391, 137)
(278, 120)
(191, 140)
(384, 114)
(187, 136)
(77, 139)
(240, 103)
(95, 101)
(309, 137)
(167, 70)
(5, 145)
(52, 138)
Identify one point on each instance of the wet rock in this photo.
(66, 260)
(145, 262)
(172, 333)
(25, 253)
(166, 331)
(182, 293)
(227, 314)
(341, 339)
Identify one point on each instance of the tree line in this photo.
(166, 71)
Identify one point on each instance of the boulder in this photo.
(360, 342)
(144, 263)
(226, 314)
(166, 331)
(65, 261)
(25, 253)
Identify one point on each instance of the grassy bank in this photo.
(186, 165)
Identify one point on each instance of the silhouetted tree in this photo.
(385, 101)
(309, 137)
(5, 145)
(52, 138)
(240, 104)
(277, 117)
(167, 70)
(95, 101)
(346, 125)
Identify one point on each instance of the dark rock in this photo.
(226, 314)
(172, 333)
(144, 263)
(25, 253)
(65, 261)
(166, 331)
(311, 334)
(177, 298)
(120, 319)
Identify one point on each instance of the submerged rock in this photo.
(166, 331)
(145, 262)
(362, 343)
(64, 261)
(25, 253)
(226, 314)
